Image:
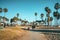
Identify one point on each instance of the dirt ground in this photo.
(16, 33)
(34, 36)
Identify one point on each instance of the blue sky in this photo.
(27, 8)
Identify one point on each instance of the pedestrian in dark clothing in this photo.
(4, 25)
(28, 28)
(33, 26)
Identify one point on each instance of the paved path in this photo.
(34, 36)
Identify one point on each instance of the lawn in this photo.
(14, 33)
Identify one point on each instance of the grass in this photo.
(13, 33)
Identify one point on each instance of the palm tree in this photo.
(48, 20)
(11, 20)
(15, 19)
(51, 19)
(48, 13)
(0, 10)
(1, 18)
(20, 20)
(56, 15)
(35, 16)
(5, 10)
(45, 21)
(6, 19)
(42, 16)
(17, 15)
(56, 6)
(25, 22)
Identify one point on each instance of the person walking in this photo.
(33, 26)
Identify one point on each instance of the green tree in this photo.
(5, 10)
(35, 16)
(50, 19)
(42, 16)
(17, 15)
(57, 6)
(47, 9)
(15, 19)
(56, 14)
(24, 22)
(11, 20)
(1, 18)
(5, 18)
(0, 10)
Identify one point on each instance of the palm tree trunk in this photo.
(4, 20)
(48, 19)
(48, 23)
(35, 18)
